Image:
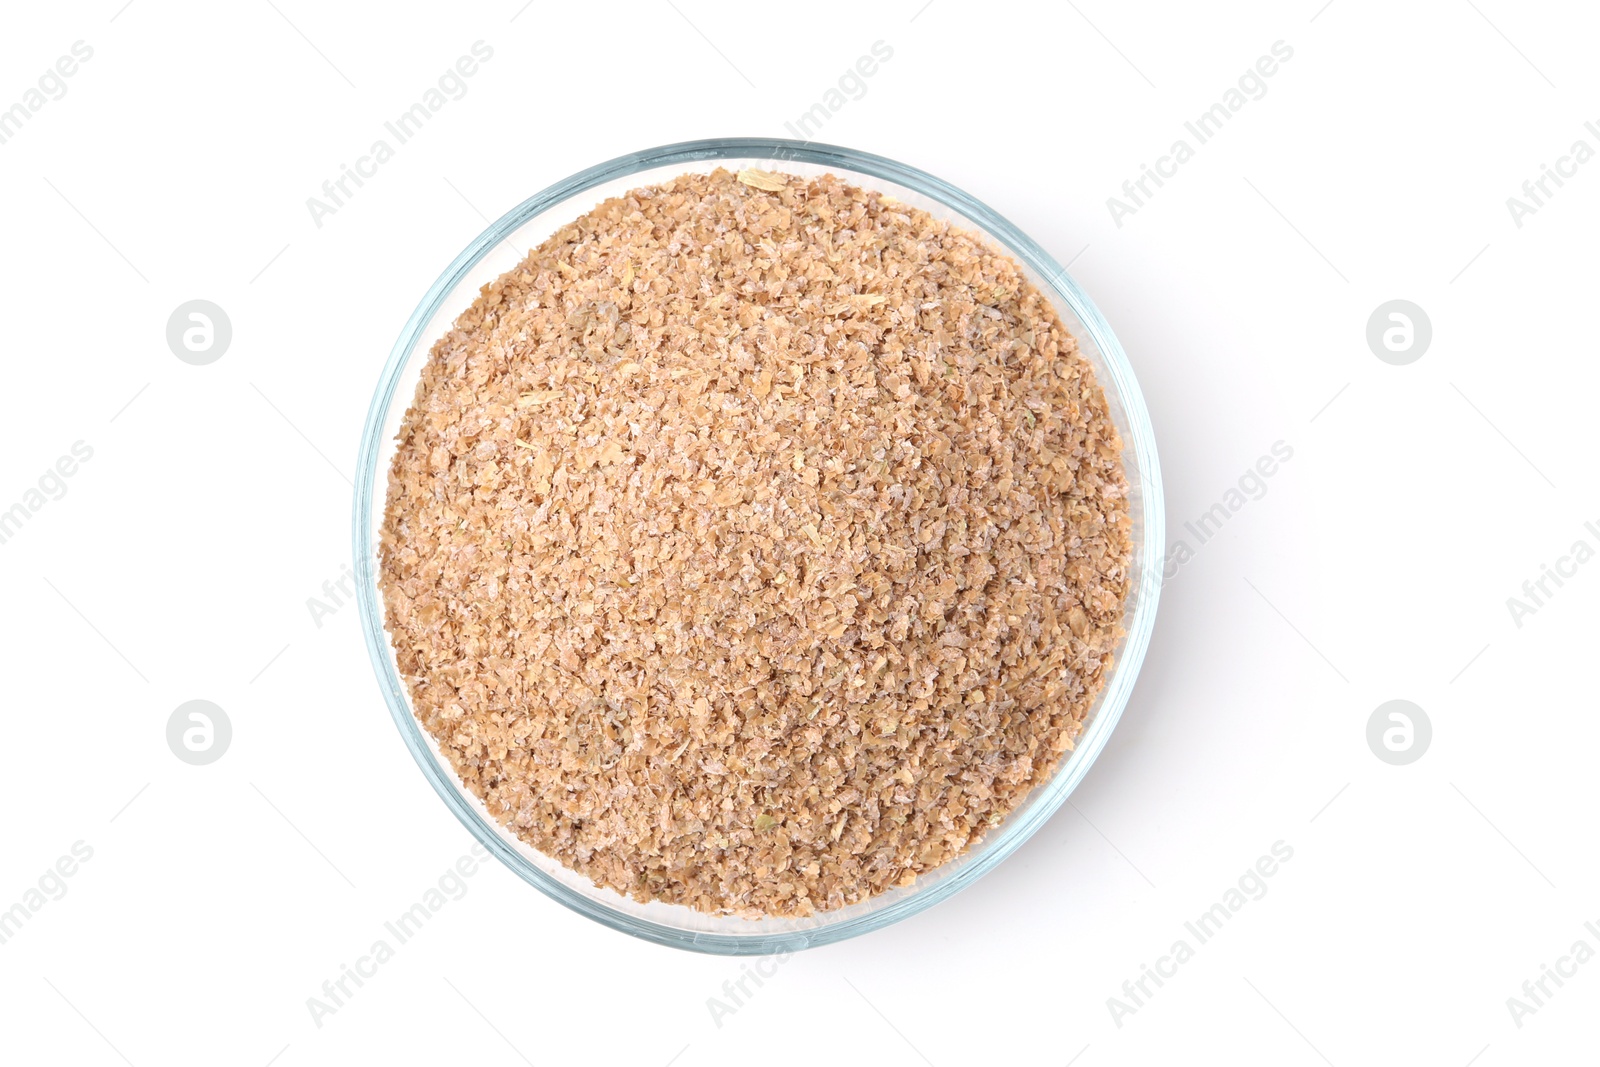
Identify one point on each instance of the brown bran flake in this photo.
(756, 544)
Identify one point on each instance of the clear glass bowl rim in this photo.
(1147, 564)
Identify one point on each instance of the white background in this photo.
(179, 563)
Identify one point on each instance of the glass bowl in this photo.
(499, 248)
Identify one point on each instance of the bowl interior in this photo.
(500, 248)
